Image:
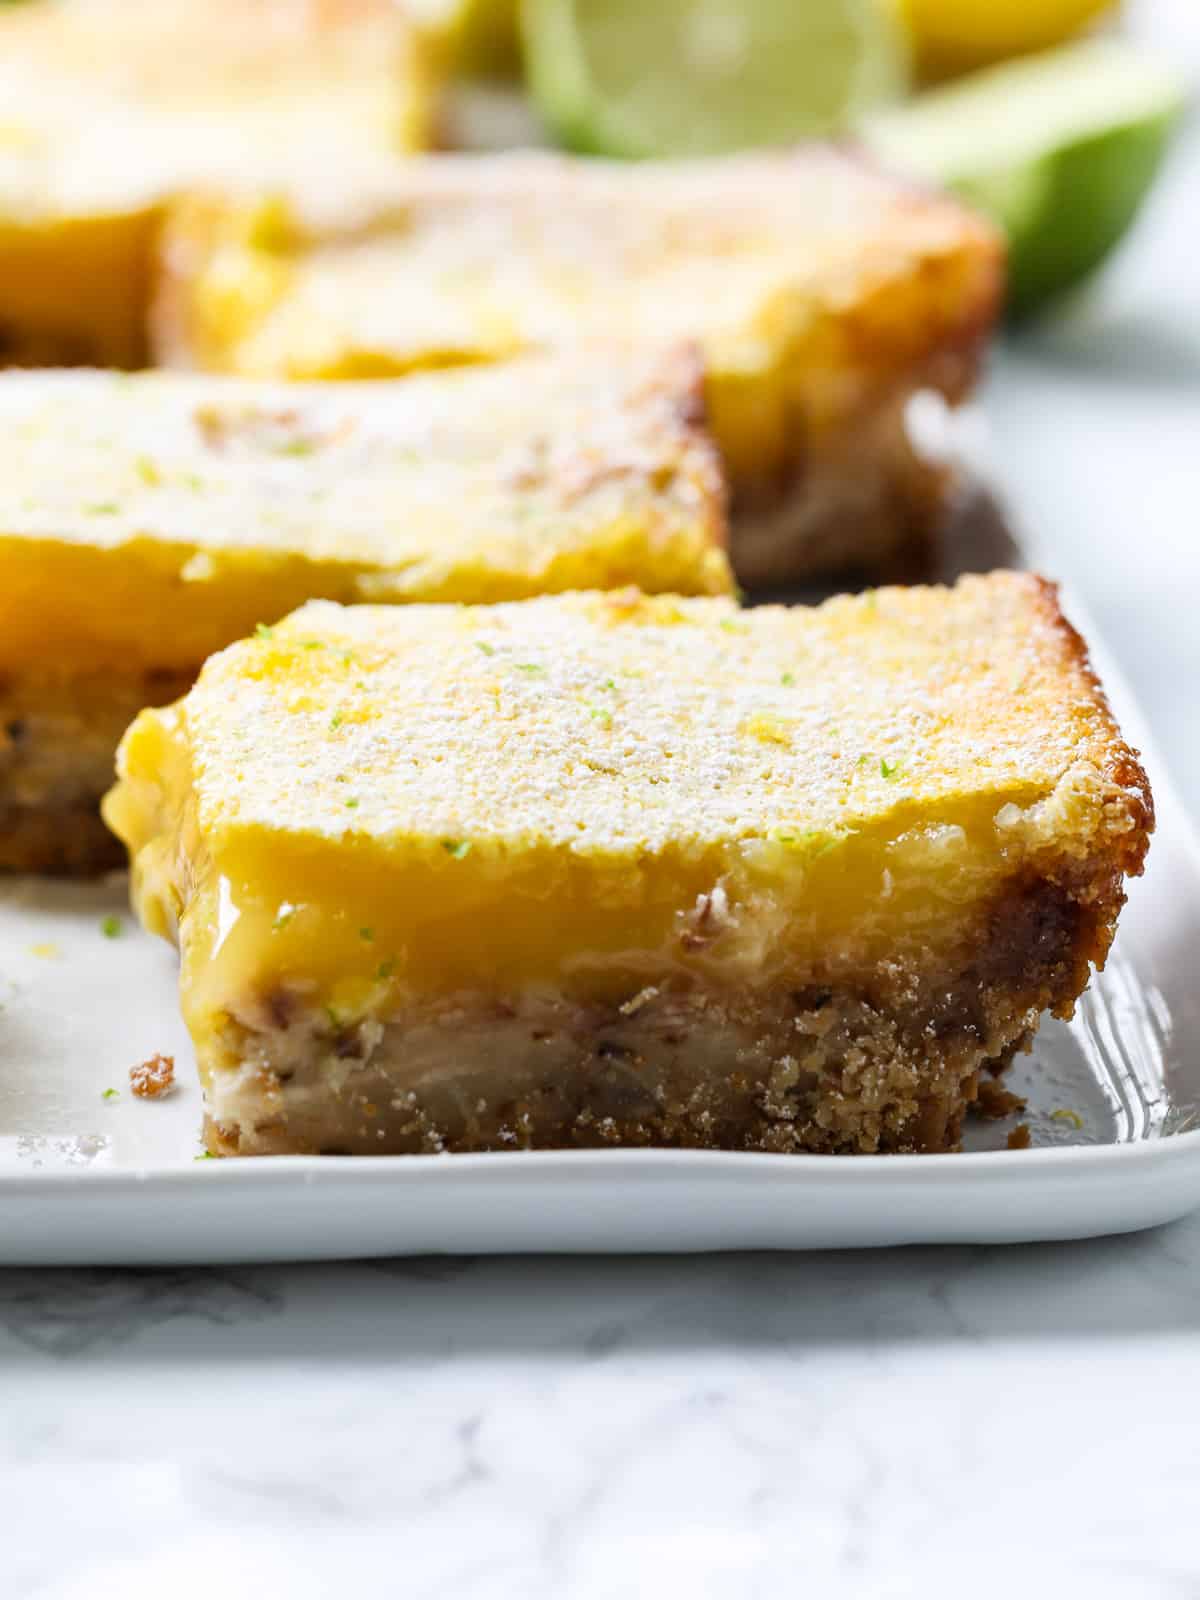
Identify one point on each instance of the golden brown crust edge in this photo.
(674, 376)
(1128, 788)
(1095, 885)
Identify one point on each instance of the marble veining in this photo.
(863, 1424)
(72, 1313)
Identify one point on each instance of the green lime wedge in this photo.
(696, 77)
(1060, 149)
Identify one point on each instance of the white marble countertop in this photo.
(878, 1425)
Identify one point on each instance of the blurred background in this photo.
(1094, 412)
(1074, 124)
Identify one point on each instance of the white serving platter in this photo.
(1114, 1098)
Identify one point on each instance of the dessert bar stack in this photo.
(486, 811)
(823, 295)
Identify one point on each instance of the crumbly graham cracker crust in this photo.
(57, 738)
(890, 1063)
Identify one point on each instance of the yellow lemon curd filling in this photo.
(377, 810)
(148, 521)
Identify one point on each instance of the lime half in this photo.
(1059, 149)
(696, 77)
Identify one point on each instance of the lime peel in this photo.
(1059, 149)
(698, 77)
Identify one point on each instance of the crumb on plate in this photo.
(152, 1079)
(994, 1101)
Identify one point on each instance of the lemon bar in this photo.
(146, 521)
(824, 296)
(609, 869)
(106, 108)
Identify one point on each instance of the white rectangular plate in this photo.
(86, 1178)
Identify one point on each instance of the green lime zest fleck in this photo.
(533, 668)
(888, 769)
(1063, 1114)
(828, 841)
(352, 803)
(111, 1094)
(111, 926)
(602, 715)
(296, 447)
(205, 1155)
(487, 649)
(385, 969)
(261, 631)
(728, 625)
(788, 680)
(102, 508)
(148, 472)
(332, 1013)
(366, 934)
(609, 683)
(458, 848)
(335, 722)
(312, 644)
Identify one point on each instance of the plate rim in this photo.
(725, 1165)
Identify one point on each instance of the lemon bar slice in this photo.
(824, 296)
(107, 108)
(147, 521)
(607, 869)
